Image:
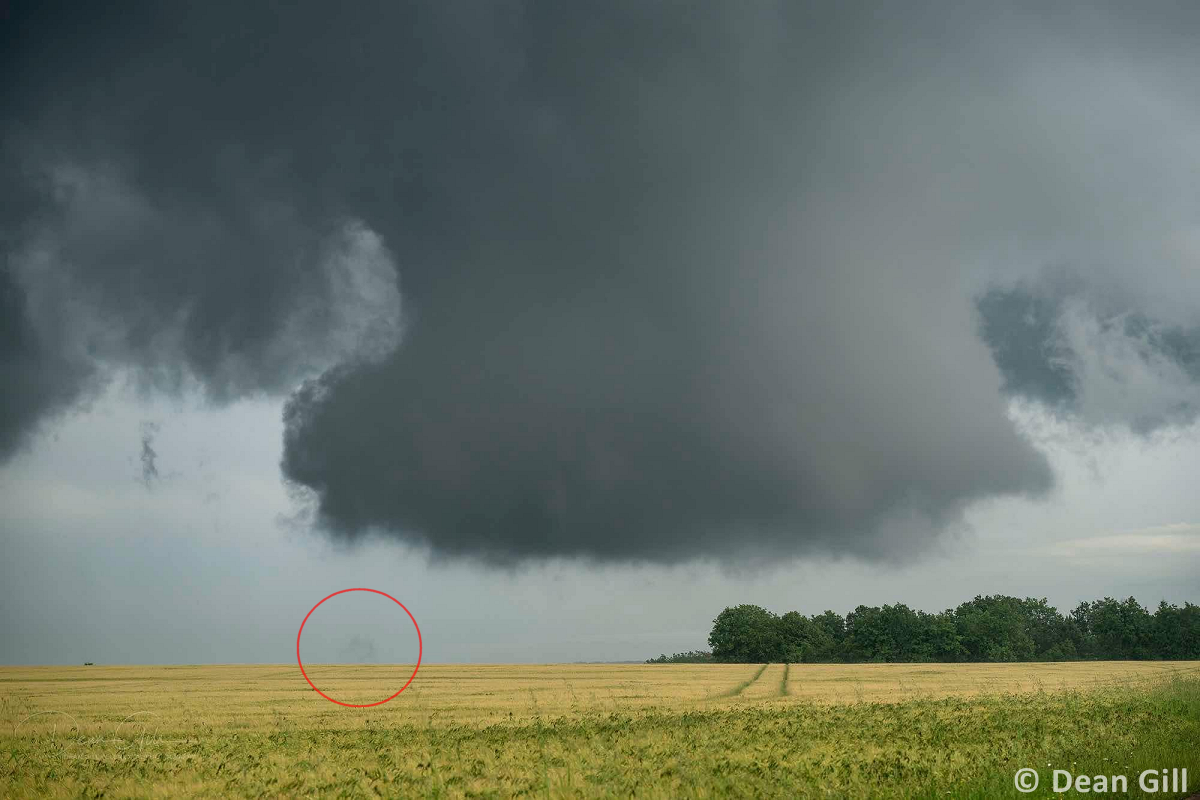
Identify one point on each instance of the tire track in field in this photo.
(769, 684)
(766, 684)
(741, 687)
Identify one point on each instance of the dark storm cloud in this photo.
(1089, 352)
(680, 279)
(37, 381)
(147, 225)
(1020, 327)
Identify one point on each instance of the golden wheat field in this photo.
(581, 730)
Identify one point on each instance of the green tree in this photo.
(690, 657)
(746, 634)
(868, 637)
(994, 628)
(938, 640)
(1051, 632)
(1177, 631)
(897, 633)
(987, 628)
(803, 640)
(830, 644)
(1117, 629)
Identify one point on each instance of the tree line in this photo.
(992, 628)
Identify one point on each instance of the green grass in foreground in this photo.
(952, 747)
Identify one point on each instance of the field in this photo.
(583, 730)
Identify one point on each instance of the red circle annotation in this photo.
(420, 649)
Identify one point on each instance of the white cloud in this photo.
(1179, 537)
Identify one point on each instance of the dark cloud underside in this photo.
(679, 279)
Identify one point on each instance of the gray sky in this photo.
(204, 566)
(570, 326)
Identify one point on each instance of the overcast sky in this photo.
(570, 325)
